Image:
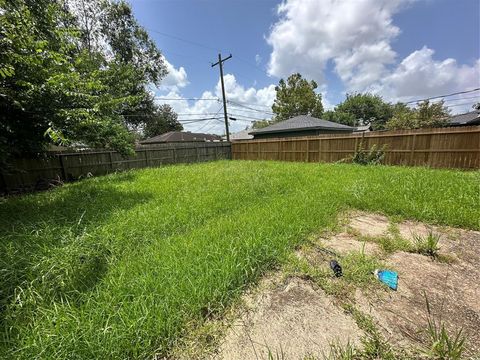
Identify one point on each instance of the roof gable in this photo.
(302, 122)
(180, 136)
(470, 118)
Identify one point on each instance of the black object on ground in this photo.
(335, 266)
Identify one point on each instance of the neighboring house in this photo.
(467, 119)
(180, 136)
(241, 135)
(302, 125)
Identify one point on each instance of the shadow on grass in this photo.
(47, 252)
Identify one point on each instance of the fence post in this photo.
(62, 165)
(174, 148)
(258, 151)
(111, 160)
(147, 157)
(248, 156)
(308, 150)
(412, 150)
(196, 152)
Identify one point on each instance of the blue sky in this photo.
(400, 49)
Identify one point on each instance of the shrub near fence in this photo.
(442, 147)
(39, 172)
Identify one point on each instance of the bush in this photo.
(374, 156)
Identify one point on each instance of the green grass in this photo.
(120, 266)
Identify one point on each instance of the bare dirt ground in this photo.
(294, 317)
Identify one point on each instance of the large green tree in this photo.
(365, 108)
(73, 74)
(425, 115)
(340, 117)
(164, 119)
(296, 96)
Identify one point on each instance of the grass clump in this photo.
(374, 346)
(443, 345)
(427, 245)
(120, 266)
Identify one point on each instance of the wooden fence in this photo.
(442, 147)
(37, 173)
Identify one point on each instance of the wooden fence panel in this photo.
(439, 148)
(25, 174)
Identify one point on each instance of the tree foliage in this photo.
(365, 108)
(296, 96)
(260, 124)
(73, 74)
(163, 120)
(340, 117)
(424, 115)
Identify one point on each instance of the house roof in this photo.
(470, 118)
(302, 122)
(180, 136)
(241, 135)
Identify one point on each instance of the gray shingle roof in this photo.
(180, 136)
(470, 118)
(302, 122)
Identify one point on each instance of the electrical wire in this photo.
(187, 99)
(250, 108)
(443, 96)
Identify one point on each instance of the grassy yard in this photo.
(119, 266)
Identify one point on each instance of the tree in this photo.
(476, 106)
(340, 117)
(260, 124)
(366, 108)
(424, 115)
(72, 81)
(295, 97)
(163, 120)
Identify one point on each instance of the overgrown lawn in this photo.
(119, 266)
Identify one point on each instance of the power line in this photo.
(465, 98)
(182, 39)
(188, 99)
(259, 105)
(460, 104)
(250, 108)
(246, 117)
(442, 96)
(208, 122)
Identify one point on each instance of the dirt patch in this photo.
(369, 224)
(344, 243)
(295, 318)
(290, 321)
(452, 289)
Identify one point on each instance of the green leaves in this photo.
(295, 97)
(164, 120)
(69, 73)
(425, 115)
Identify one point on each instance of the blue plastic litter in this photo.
(388, 277)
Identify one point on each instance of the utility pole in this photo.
(220, 63)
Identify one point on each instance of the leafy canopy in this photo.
(163, 120)
(358, 109)
(73, 72)
(424, 115)
(295, 97)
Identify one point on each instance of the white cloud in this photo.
(258, 59)
(355, 36)
(420, 75)
(175, 79)
(237, 95)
